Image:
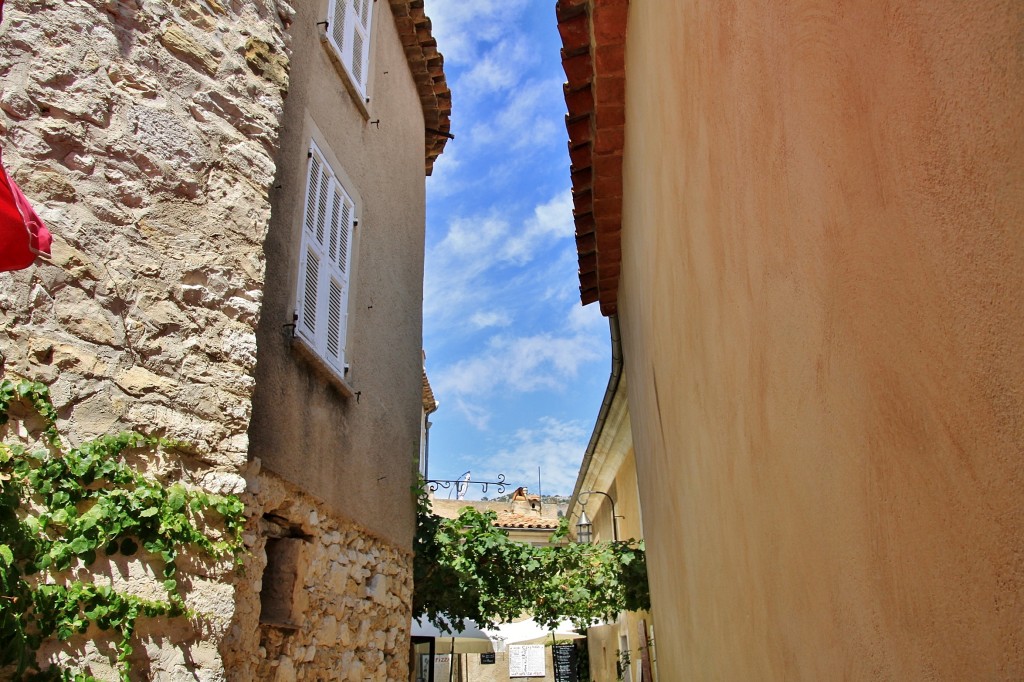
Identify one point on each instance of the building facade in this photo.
(607, 492)
(806, 217)
(236, 192)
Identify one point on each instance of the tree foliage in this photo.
(64, 508)
(467, 568)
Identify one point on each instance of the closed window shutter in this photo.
(345, 238)
(310, 285)
(323, 286)
(338, 25)
(334, 321)
(361, 42)
(350, 36)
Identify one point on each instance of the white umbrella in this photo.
(470, 640)
(528, 631)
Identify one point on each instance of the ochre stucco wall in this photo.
(822, 306)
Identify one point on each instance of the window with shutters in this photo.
(348, 34)
(324, 264)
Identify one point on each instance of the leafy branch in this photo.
(467, 568)
(59, 506)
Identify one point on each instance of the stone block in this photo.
(187, 48)
(138, 380)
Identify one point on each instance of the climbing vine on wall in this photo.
(63, 508)
(468, 568)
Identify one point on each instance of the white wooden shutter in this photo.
(361, 42)
(323, 287)
(338, 25)
(349, 35)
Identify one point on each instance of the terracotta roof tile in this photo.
(594, 59)
(429, 401)
(427, 66)
(508, 519)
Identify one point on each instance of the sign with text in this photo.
(442, 666)
(564, 656)
(526, 660)
(487, 658)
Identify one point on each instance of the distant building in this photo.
(523, 515)
(527, 520)
(606, 490)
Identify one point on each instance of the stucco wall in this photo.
(822, 307)
(355, 453)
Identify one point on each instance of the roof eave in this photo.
(427, 66)
(593, 36)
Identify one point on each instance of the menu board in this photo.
(526, 660)
(564, 656)
(442, 666)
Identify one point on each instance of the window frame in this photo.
(341, 42)
(328, 208)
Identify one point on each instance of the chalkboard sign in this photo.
(564, 656)
(487, 659)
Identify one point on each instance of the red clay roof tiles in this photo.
(427, 66)
(508, 519)
(594, 59)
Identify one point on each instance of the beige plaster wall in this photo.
(822, 307)
(355, 453)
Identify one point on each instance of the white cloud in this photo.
(499, 69)
(587, 319)
(478, 416)
(551, 220)
(459, 25)
(483, 256)
(521, 364)
(470, 237)
(555, 446)
(525, 121)
(495, 318)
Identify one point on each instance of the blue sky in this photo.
(518, 365)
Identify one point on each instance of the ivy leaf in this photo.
(80, 545)
(176, 498)
(49, 487)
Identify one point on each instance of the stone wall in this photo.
(340, 602)
(145, 133)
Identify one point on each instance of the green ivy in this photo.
(467, 568)
(61, 507)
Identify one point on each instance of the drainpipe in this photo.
(606, 405)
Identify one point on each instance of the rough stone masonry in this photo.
(145, 132)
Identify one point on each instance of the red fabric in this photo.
(23, 235)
